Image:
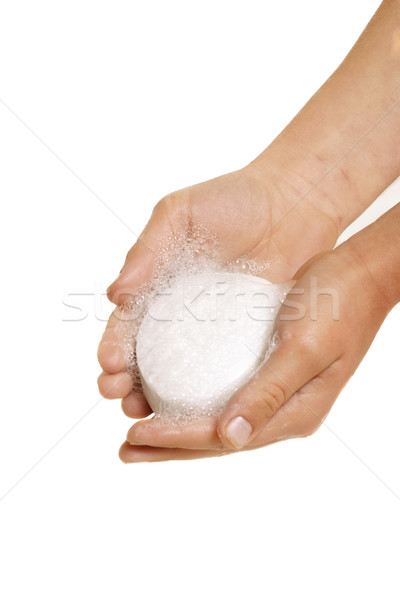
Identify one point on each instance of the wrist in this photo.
(311, 179)
(376, 251)
(344, 141)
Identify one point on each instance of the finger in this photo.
(197, 434)
(291, 366)
(111, 353)
(141, 257)
(135, 405)
(132, 454)
(114, 386)
(306, 410)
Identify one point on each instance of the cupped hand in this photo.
(268, 214)
(324, 329)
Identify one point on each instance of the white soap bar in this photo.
(203, 338)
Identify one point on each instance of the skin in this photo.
(318, 352)
(287, 206)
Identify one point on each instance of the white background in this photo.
(139, 99)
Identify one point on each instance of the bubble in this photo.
(181, 255)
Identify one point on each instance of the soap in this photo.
(203, 337)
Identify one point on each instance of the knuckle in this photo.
(307, 345)
(272, 397)
(110, 293)
(171, 206)
(167, 203)
(160, 205)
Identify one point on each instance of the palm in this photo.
(324, 353)
(265, 220)
(261, 219)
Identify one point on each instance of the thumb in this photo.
(141, 258)
(290, 366)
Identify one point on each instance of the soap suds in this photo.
(200, 328)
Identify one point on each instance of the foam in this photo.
(200, 328)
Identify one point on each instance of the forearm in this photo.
(377, 250)
(345, 142)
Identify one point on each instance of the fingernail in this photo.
(238, 431)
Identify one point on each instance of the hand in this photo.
(323, 335)
(252, 212)
(317, 176)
